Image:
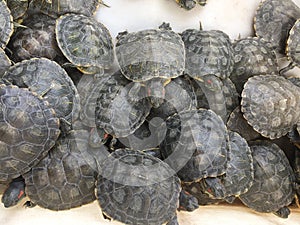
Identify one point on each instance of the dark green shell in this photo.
(293, 43)
(18, 8)
(196, 144)
(85, 42)
(64, 179)
(6, 24)
(273, 185)
(151, 53)
(28, 127)
(49, 80)
(118, 111)
(252, 56)
(137, 188)
(207, 53)
(273, 21)
(270, 104)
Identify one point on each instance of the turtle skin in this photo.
(6, 24)
(49, 80)
(270, 104)
(137, 188)
(85, 42)
(66, 177)
(36, 39)
(56, 8)
(273, 186)
(196, 144)
(207, 53)
(252, 51)
(273, 21)
(118, 111)
(190, 4)
(29, 128)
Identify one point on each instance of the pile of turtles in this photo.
(152, 123)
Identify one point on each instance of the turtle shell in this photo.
(273, 21)
(150, 53)
(196, 144)
(252, 51)
(49, 80)
(293, 43)
(119, 111)
(6, 24)
(5, 62)
(270, 104)
(207, 52)
(85, 42)
(137, 188)
(56, 8)
(272, 188)
(64, 179)
(29, 128)
(36, 39)
(18, 8)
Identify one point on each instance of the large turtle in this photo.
(273, 21)
(273, 186)
(85, 42)
(29, 128)
(64, 179)
(118, 111)
(136, 188)
(151, 58)
(6, 24)
(270, 104)
(196, 144)
(49, 80)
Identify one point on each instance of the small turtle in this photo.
(273, 186)
(137, 188)
(36, 39)
(29, 128)
(118, 111)
(64, 179)
(196, 144)
(151, 58)
(49, 80)
(5, 62)
(56, 8)
(239, 174)
(6, 24)
(273, 21)
(270, 104)
(18, 8)
(252, 56)
(85, 42)
(190, 4)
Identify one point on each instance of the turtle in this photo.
(237, 123)
(5, 62)
(57, 8)
(273, 185)
(196, 144)
(64, 179)
(136, 188)
(6, 24)
(50, 81)
(190, 4)
(273, 21)
(35, 39)
(239, 174)
(252, 56)
(151, 58)
(118, 111)
(85, 42)
(270, 104)
(29, 129)
(18, 8)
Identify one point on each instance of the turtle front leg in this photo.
(283, 212)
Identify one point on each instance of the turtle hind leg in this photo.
(173, 221)
(283, 212)
(187, 202)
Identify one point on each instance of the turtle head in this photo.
(156, 90)
(213, 187)
(14, 193)
(121, 35)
